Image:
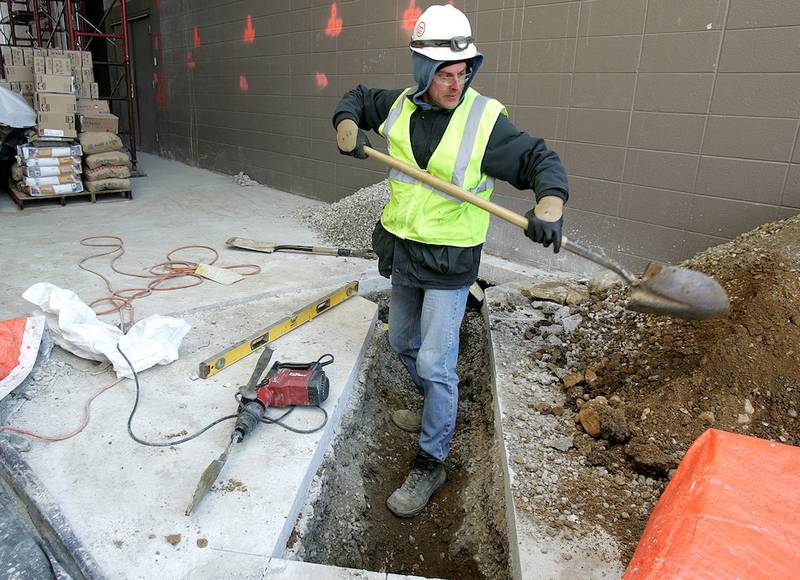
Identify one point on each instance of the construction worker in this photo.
(429, 242)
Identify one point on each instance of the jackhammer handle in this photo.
(493, 208)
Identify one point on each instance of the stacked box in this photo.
(18, 70)
(51, 80)
(48, 169)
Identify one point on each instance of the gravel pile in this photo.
(349, 222)
(244, 180)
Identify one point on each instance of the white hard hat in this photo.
(443, 33)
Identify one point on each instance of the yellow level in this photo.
(240, 350)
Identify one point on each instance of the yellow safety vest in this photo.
(419, 212)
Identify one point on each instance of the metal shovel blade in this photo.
(208, 478)
(678, 292)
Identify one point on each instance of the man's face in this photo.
(447, 86)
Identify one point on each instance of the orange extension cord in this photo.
(171, 269)
(123, 300)
(80, 428)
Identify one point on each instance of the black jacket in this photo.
(511, 155)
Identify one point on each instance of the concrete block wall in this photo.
(677, 120)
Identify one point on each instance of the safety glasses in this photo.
(456, 44)
(446, 79)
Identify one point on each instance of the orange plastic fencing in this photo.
(732, 510)
(11, 332)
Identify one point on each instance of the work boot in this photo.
(427, 475)
(406, 420)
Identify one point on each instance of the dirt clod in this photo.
(173, 539)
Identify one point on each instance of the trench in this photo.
(462, 533)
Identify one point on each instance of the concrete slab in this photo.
(126, 501)
(174, 206)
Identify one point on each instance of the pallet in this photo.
(21, 198)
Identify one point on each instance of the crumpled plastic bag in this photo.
(75, 327)
(15, 110)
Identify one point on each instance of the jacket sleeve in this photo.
(524, 161)
(367, 107)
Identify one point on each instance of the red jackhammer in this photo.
(285, 385)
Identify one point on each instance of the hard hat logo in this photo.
(443, 33)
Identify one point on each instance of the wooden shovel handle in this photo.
(495, 209)
(447, 187)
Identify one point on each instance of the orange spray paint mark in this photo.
(243, 84)
(196, 37)
(249, 31)
(157, 42)
(411, 14)
(322, 80)
(334, 27)
(190, 63)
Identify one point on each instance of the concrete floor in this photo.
(124, 499)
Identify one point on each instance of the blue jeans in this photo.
(424, 329)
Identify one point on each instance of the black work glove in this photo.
(351, 140)
(543, 232)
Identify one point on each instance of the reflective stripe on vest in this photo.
(412, 211)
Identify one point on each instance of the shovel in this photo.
(268, 248)
(662, 289)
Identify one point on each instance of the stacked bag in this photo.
(107, 166)
(47, 169)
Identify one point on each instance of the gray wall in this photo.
(677, 120)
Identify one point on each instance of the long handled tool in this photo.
(662, 289)
(268, 248)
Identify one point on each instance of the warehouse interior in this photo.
(176, 218)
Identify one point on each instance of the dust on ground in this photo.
(617, 398)
(462, 533)
(230, 486)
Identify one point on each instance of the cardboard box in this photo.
(42, 52)
(86, 59)
(74, 57)
(16, 56)
(88, 91)
(55, 103)
(58, 65)
(27, 55)
(92, 106)
(8, 59)
(39, 65)
(87, 75)
(55, 120)
(55, 52)
(15, 87)
(6, 85)
(27, 89)
(64, 85)
(98, 122)
(19, 74)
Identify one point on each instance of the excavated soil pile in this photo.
(462, 533)
(643, 388)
